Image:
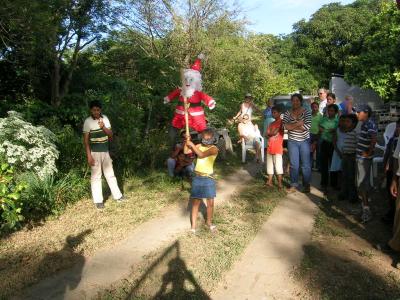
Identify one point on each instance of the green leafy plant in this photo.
(51, 194)
(10, 194)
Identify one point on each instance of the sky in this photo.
(278, 16)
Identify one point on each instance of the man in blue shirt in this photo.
(366, 140)
(346, 106)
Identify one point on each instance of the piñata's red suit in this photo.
(195, 97)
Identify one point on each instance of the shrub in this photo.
(10, 193)
(51, 195)
(28, 147)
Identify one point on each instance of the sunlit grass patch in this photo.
(58, 242)
(204, 257)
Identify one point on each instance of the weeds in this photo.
(324, 225)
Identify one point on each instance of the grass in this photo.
(325, 225)
(192, 266)
(340, 264)
(60, 241)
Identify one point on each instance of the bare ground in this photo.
(341, 262)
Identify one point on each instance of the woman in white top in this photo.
(244, 116)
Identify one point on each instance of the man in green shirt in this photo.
(96, 134)
(316, 117)
(327, 127)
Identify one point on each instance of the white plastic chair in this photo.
(247, 146)
(387, 135)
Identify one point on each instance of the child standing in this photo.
(275, 148)
(366, 141)
(316, 117)
(328, 125)
(338, 141)
(348, 154)
(203, 183)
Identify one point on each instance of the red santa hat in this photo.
(197, 63)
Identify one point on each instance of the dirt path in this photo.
(110, 265)
(265, 268)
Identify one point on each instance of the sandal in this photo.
(193, 231)
(212, 228)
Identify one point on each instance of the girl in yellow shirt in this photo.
(203, 183)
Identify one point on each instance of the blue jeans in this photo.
(187, 171)
(299, 152)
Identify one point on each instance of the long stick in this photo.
(186, 149)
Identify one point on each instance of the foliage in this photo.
(41, 42)
(10, 193)
(333, 34)
(51, 194)
(28, 147)
(378, 65)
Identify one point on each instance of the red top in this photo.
(275, 142)
(197, 97)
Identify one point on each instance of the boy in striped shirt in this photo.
(366, 141)
(348, 156)
(96, 134)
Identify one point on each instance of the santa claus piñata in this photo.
(195, 97)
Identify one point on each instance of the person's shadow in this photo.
(177, 283)
(176, 276)
(56, 287)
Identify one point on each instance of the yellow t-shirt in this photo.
(205, 165)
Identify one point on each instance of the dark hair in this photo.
(315, 103)
(332, 95)
(298, 96)
(95, 103)
(208, 131)
(334, 106)
(276, 108)
(353, 119)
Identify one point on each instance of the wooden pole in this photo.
(186, 149)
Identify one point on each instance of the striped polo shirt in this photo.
(368, 131)
(350, 142)
(97, 137)
(298, 135)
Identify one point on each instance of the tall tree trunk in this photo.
(66, 83)
(149, 115)
(55, 83)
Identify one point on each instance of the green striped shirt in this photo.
(98, 139)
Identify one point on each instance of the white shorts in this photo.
(274, 162)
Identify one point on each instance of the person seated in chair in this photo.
(179, 163)
(251, 135)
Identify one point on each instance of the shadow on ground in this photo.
(336, 277)
(348, 216)
(177, 282)
(63, 258)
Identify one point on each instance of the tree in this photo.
(378, 64)
(333, 34)
(44, 38)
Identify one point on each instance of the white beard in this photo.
(188, 92)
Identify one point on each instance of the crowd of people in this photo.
(338, 141)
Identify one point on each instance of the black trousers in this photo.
(349, 190)
(326, 154)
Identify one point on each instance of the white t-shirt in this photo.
(93, 124)
(322, 106)
(97, 137)
(246, 110)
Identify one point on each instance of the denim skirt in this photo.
(203, 187)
